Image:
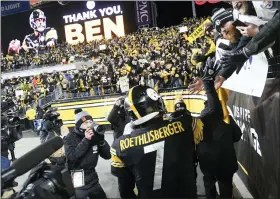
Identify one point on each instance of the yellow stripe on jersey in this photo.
(116, 161)
(113, 151)
(132, 105)
(197, 127)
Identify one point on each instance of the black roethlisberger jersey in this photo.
(160, 157)
(32, 42)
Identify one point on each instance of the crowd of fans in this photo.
(160, 58)
(61, 54)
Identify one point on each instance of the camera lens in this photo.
(99, 129)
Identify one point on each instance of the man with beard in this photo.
(43, 36)
(223, 23)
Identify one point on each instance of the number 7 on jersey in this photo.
(159, 148)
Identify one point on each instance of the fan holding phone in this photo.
(246, 29)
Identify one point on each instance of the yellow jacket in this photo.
(30, 114)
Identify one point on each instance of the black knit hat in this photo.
(221, 17)
(80, 117)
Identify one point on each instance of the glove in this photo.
(120, 101)
(209, 69)
(235, 59)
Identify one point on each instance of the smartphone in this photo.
(238, 23)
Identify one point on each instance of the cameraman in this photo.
(50, 125)
(82, 149)
(50, 128)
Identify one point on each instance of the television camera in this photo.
(52, 115)
(50, 123)
(45, 181)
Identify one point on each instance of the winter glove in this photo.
(209, 69)
(97, 138)
(120, 101)
(234, 60)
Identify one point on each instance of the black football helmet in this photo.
(180, 105)
(143, 103)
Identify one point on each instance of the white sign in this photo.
(102, 47)
(251, 78)
(124, 84)
(183, 29)
(94, 21)
(19, 93)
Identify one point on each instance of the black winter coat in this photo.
(118, 120)
(82, 153)
(216, 152)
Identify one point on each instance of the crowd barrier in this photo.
(258, 151)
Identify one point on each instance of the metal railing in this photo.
(34, 66)
(95, 91)
(60, 94)
(47, 100)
